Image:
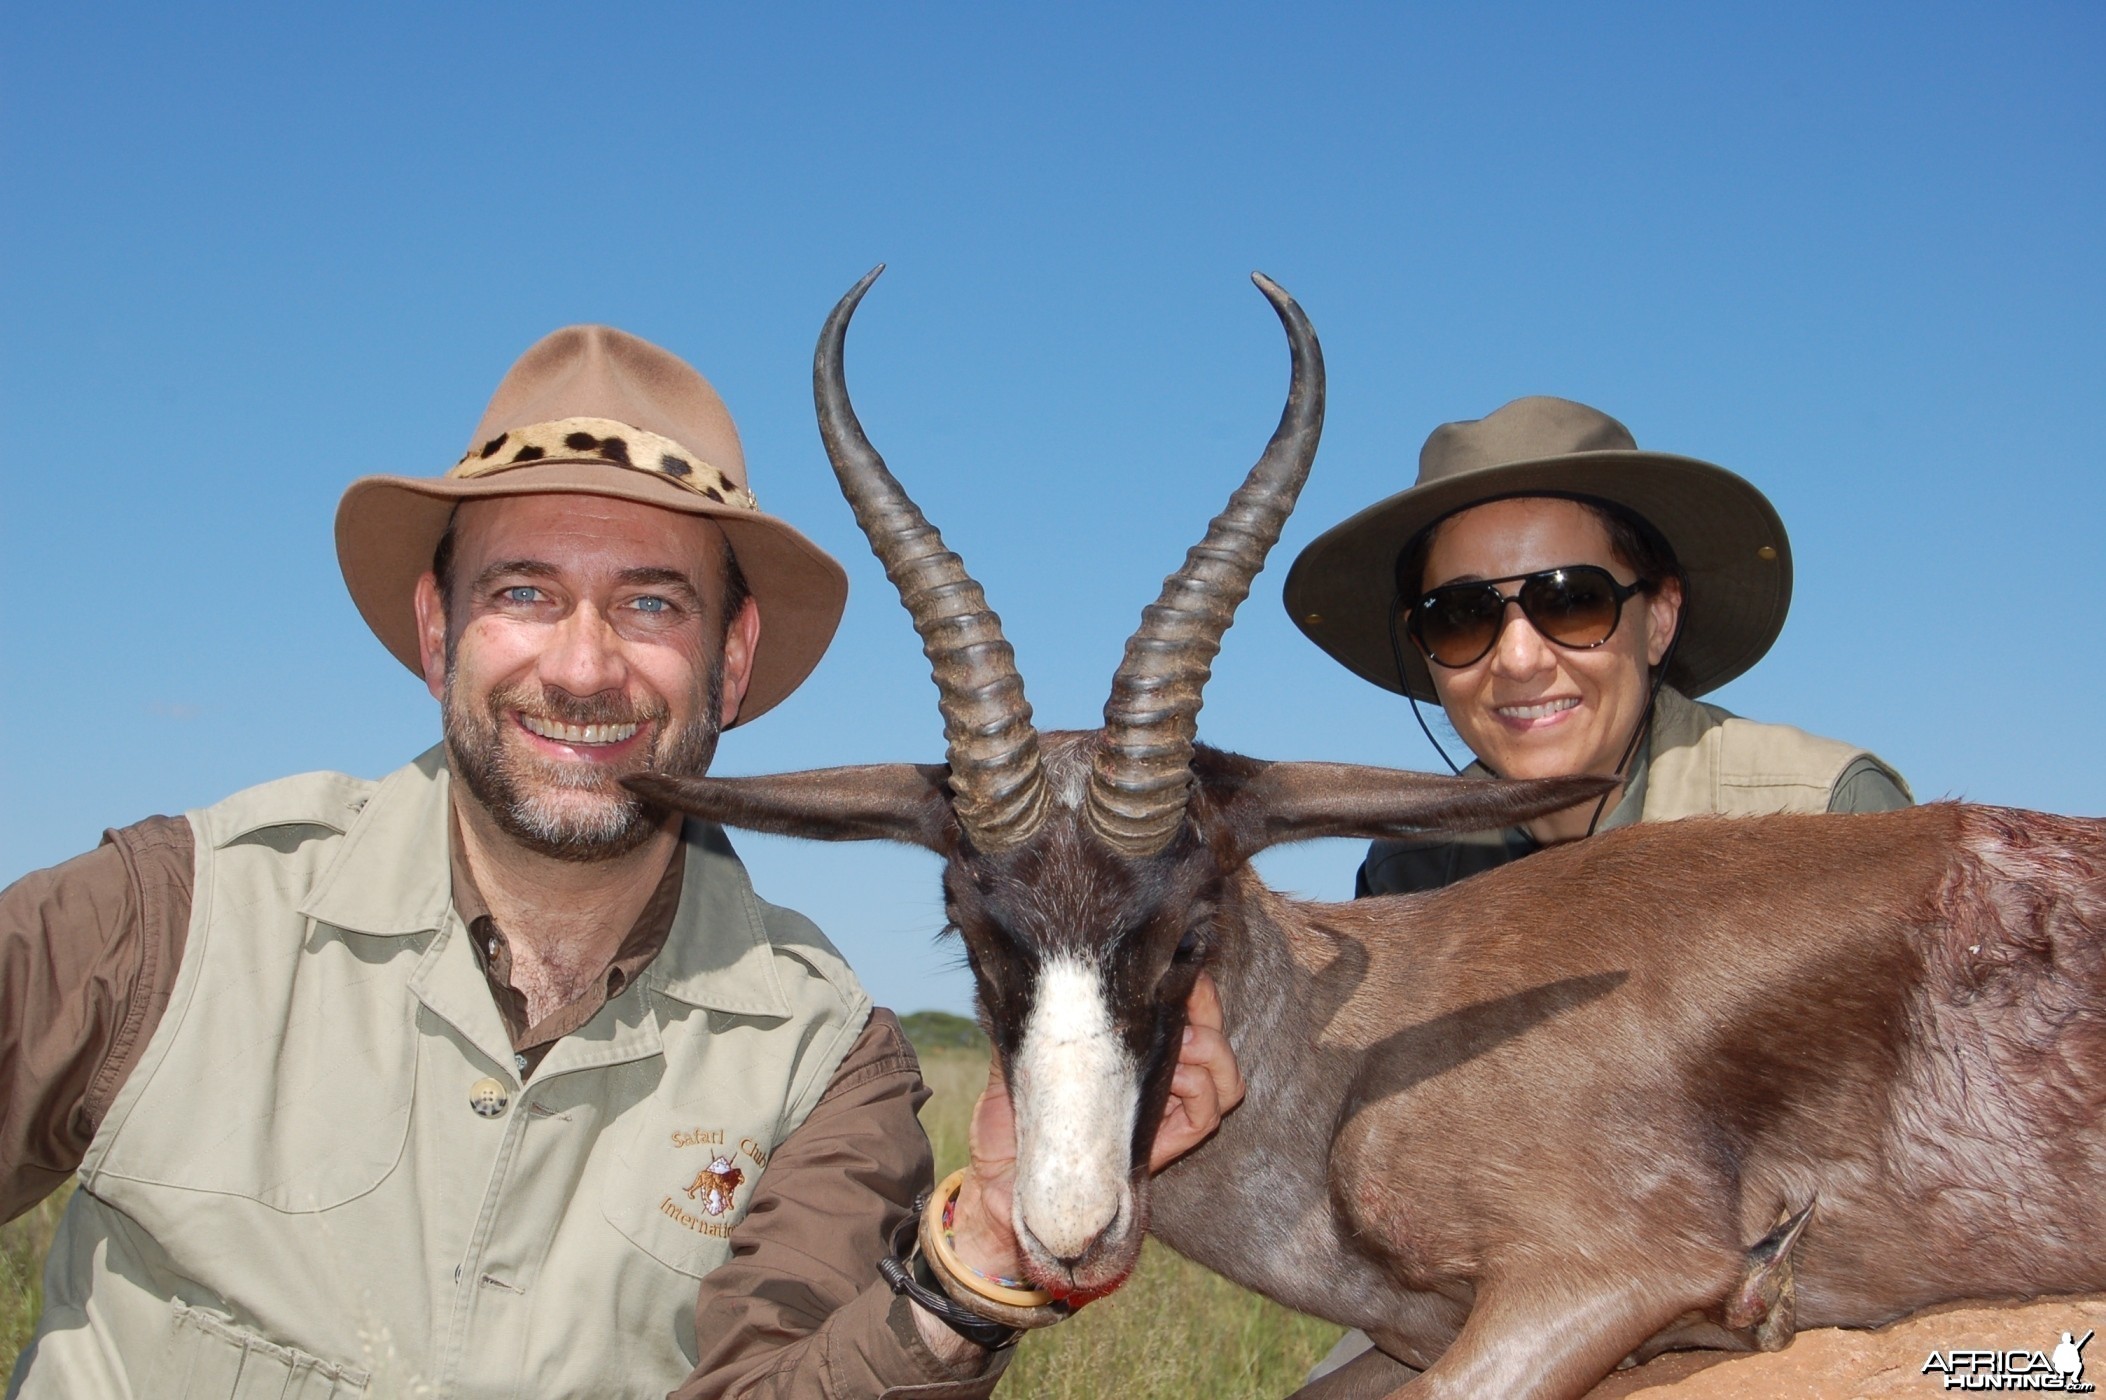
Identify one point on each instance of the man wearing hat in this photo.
(486, 1078)
(1565, 597)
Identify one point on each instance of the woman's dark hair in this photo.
(1633, 542)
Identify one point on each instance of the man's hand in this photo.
(1205, 1085)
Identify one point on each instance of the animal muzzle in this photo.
(1076, 1088)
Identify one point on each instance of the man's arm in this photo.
(88, 955)
(800, 1310)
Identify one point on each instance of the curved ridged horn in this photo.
(1141, 772)
(998, 779)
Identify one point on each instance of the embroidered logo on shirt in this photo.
(714, 1184)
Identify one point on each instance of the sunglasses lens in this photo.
(1457, 624)
(1574, 607)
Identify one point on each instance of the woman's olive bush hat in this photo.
(595, 411)
(1728, 538)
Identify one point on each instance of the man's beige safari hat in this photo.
(595, 411)
(1726, 535)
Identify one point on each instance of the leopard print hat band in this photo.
(601, 441)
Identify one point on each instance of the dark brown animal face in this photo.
(1089, 872)
(1082, 959)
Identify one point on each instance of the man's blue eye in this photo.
(652, 605)
(522, 593)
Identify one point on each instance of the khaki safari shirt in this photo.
(94, 952)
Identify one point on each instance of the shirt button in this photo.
(488, 1098)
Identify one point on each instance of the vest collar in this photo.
(391, 878)
(719, 955)
(1679, 721)
(1679, 725)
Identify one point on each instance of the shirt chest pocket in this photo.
(305, 1118)
(682, 1182)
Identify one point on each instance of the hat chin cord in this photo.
(1396, 656)
(1638, 732)
(1644, 725)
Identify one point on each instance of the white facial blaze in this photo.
(1076, 1093)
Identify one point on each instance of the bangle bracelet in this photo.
(900, 1268)
(1004, 1300)
(939, 1245)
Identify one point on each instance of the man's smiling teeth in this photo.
(577, 733)
(1542, 711)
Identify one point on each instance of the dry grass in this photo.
(955, 1078)
(23, 1242)
(1175, 1330)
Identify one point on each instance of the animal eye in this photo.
(1190, 946)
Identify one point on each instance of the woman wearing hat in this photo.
(1565, 598)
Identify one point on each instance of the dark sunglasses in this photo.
(1576, 606)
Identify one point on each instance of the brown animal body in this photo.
(1559, 1103)
(1675, 1085)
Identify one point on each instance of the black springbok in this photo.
(1677, 1084)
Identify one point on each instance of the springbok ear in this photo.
(903, 802)
(1286, 802)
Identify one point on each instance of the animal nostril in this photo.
(1032, 1245)
(1072, 1257)
(1060, 1258)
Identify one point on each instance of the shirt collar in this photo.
(646, 936)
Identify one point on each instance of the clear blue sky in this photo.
(1855, 253)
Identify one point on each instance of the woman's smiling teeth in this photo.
(576, 733)
(1543, 710)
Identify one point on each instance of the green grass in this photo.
(932, 1030)
(23, 1242)
(1175, 1330)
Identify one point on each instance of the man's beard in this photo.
(526, 794)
